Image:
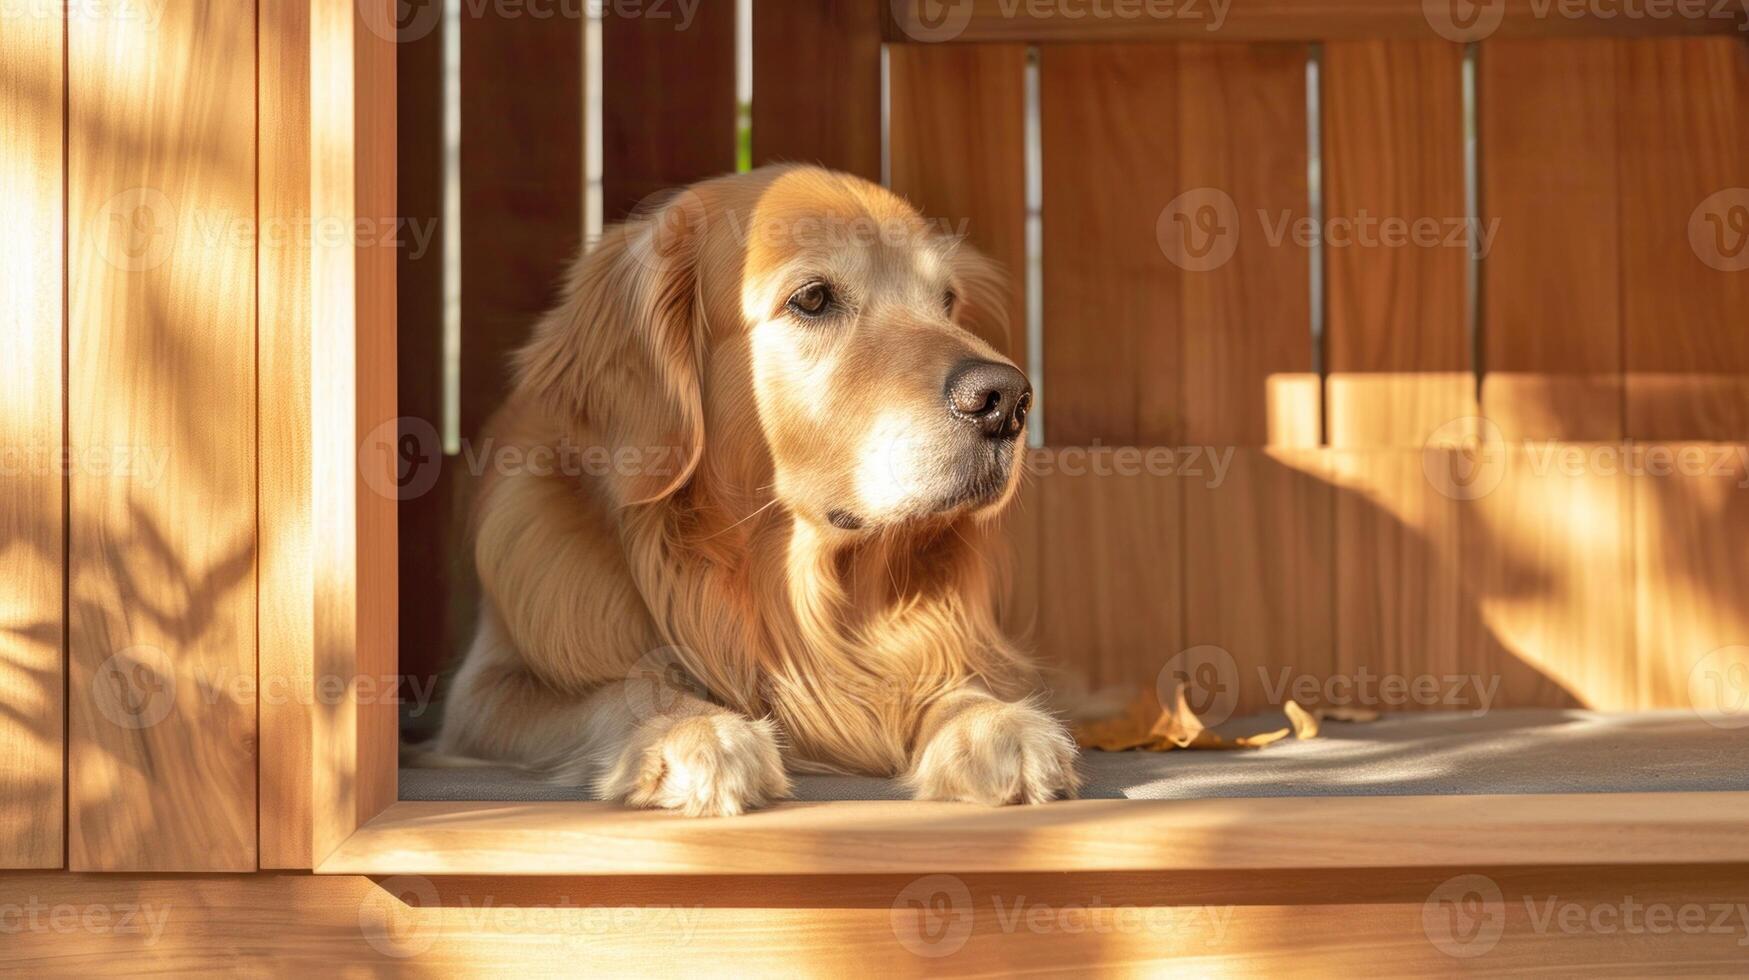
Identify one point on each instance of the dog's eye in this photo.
(812, 300)
(948, 302)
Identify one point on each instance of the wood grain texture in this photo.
(1258, 561)
(817, 84)
(352, 352)
(1547, 565)
(1396, 574)
(1242, 134)
(1083, 835)
(1284, 20)
(1369, 921)
(161, 324)
(1397, 251)
(1551, 317)
(1110, 565)
(286, 668)
(961, 160)
(668, 100)
(1684, 130)
(32, 481)
(1114, 358)
(1691, 511)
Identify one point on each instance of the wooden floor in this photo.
(1640, 921)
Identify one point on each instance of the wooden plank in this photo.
(352, 353)
(1111, 297)
(1684, 130)
(1547, 565)
(1691, 511)
(1551, 319)
(908, 837)
(1381, 921)
(1110, 577)
(286, 666)
(32, 480)
(1258, 558)
(1396, 579)
(1246, 320)
(1397, 250)
(161, 325)
(971, 21)
(668, 99)
(817, 85)
(961, 160)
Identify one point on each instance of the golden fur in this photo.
(687, 623)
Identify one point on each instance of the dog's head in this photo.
(797, 332)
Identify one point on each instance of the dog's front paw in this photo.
(994, 752)
(707, 765)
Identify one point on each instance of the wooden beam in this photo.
(817, 84)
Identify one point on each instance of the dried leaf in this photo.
(1305, 724)
(1339, 713)
(1129, 730)
(1259, 741)
(1180, 725)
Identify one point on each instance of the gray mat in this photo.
(1403, 755)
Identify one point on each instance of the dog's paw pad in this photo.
(997, 753)
(713, 765)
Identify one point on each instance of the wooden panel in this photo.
(961, 158)
(668, 99)
(909, 837)
(352, 352)
(1397, 249)
(286, 607)
(929, 21)
(1684, 130)
(1551, 320)
(1111, 298)
(1691, 515)
(1396, 578)
(1547, 567)
(1110, 576)
(32, 510)
(1247, 321)
(1257, 568)
(817, 84)
(1349, 922)
(161, 324)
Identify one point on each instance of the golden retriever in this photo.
(759, 453)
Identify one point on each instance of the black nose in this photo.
(994, 397)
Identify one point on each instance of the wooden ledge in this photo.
(1088, 835)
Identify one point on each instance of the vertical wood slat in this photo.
(1113, 354)
(162, 760)
(668, 101)
(286, 666)
(1684, 200)
(352, 353)
(1551, 316)
(1397, 343)
(32, 516)
(817, 72)
(960, 159)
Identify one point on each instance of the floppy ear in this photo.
(620, 356)
(984, 297)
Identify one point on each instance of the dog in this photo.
(781, 559)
